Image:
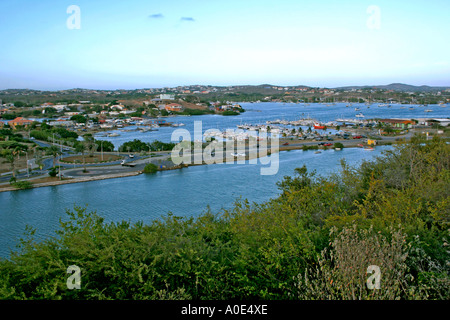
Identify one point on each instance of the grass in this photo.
(96, 158)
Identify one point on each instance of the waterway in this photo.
(259, 113)
(186, 192)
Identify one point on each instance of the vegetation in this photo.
(315, 241)
(22, 184)
(150, 168)
(313, 147)
(195, 112)
(230, 113)
(137, 146)
(50, 134)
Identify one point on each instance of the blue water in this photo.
(185, 192)
(259, 113)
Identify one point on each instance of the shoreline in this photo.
(8, 187)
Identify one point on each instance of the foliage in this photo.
(78, 118)
(134, 146)
(230, 113)
(315, 241)
(195, 112)
(150, 168)
(22, 184)
(47, 133)
(53, 172)
(312, 147)
(161, 146)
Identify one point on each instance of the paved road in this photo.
(76, 170)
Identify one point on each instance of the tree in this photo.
(80, 147)
(106, 146)
(78, 118)
(90, 144)
(10, 157)
(53, 151)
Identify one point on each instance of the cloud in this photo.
(156, 16)
(187, 19)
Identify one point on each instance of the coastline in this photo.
(138, 171)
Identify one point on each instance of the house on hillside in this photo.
(19, 121)
(174, 107)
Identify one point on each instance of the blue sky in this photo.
(144, 44)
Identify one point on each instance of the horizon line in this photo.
(237, 85)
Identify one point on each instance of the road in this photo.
(76, 170)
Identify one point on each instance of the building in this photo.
(19, 121)
(62, 123)
(167, 96)
(174, 107)
(398, 123)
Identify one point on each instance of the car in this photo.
(327, 144)
(321, 143)
(286, 144)
(357, 137)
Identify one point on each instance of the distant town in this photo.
(81, 108)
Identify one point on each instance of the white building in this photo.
(166, 96)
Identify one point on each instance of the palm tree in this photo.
(54, 152)
(81, 148)
(10, 157)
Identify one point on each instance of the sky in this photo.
(46, 45)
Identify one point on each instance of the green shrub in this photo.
(53, 172)
(22, 185)
(315, 241)
(150, 168)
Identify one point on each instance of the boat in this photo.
(369, 148)
(359, 115)
(318, 152)
(428, 110)
(113, 135)
(357, 109)
(319, 126)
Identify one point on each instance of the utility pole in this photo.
(28, 172)
(60, 155)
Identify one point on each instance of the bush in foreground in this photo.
(315, 241)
